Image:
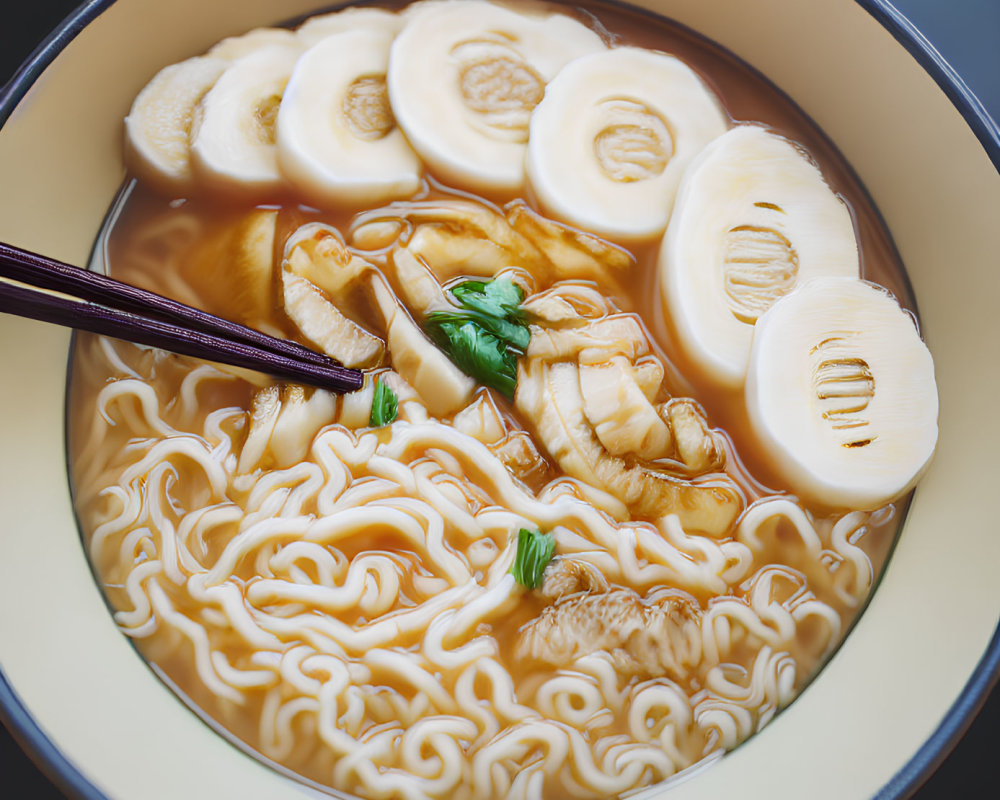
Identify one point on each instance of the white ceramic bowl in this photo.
(923, 654)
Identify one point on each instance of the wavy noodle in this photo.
(853, 575)
(344, 614)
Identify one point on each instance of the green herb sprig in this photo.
(534, 551)
(385, 405)
(486, 334)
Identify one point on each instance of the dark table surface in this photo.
(965, 32)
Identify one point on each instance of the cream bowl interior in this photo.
(886, 691)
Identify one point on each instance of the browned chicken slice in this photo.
(519, 454)
(620, 413)
(593, 342)
(284, 419)
(549, 395)
(482, 420)
(320, 281)
(452, 253)
(566, 576)
(567, 302)
(456, 237)
(317, 253)
(573, 254)
(649, 640)
(695, 445)
(473, 219)
(591, 388)
(420, 289)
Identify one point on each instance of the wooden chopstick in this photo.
(46, 273)
(100, 304)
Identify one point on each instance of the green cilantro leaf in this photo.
(484, 337)
(512, 334)
(385, 405)
(475, 351)
(534, 551)
(500, 297)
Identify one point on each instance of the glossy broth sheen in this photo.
(159, 243)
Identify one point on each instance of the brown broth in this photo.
(133, 256)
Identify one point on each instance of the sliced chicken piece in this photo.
(441, 385)
(515, 448)
(284, 420)
(320, 278)
(264, 409)
(519, 454)
(455, 237)
(596, 341)
(567, 302)
(324, 326)
(317, 252)
(421, 290)
(572, 253)
(355, 409)
(251, 272)
(481, 420)
(561, 428)
(648, 373)
(452, 253)
(659, 639)
(549, 396)
(472, 218)
(625, 422)
(303, 414)
(566, 576)
(695, 445)
(628, 424)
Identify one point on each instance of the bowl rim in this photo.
(68, 777)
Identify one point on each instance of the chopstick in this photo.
(100, 304)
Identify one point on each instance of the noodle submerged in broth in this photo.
(543, 551)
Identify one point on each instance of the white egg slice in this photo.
(464, 77)
(753, 219)
(234, 143)
(234, 47)
(841, 393)
(612, 137)
(337, 139)
(319, 27)
(158, 126)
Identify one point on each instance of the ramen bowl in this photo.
(892, 698)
